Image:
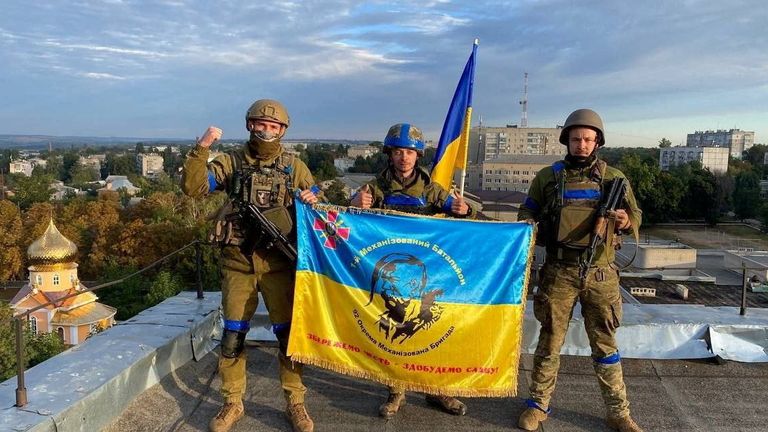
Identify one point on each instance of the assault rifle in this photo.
(267, 231)
(610, 201)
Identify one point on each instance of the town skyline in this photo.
(347, 70)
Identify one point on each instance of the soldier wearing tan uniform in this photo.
(262, 173)
(406, 187)
(563, 199)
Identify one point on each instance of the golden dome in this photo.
(51, 248)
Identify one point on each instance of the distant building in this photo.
(149, 164)
(53, 276)
(60, 191)
(21, 167)
(361, 151)
(92, 162)
(508, 173)
(114, 183)
(343, 164)
(497, 142)
(714, 158)
(737, 140)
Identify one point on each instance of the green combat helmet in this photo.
(268, 109)
(404, 135)
(586, 118)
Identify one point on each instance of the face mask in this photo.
(263, 149)
(265, 136)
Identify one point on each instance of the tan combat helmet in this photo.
(268, 109)
(587, 118)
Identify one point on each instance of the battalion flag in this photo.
(454, 139)
(431, 304)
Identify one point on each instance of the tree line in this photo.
(690, 191)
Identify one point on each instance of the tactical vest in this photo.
(572, 216)
(576, 201)
(396, 199)
(267, 187)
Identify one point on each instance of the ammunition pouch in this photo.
(575, 226)
(281, 217)
(228, 229)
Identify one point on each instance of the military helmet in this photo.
(268, 109)
(586, 118)
(404, 135)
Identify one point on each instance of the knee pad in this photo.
(281, 333)
(232, 343)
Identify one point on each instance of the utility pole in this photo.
(524, 103)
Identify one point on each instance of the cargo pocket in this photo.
(616, 312)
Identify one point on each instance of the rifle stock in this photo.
(612, 200)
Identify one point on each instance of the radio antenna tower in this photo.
(524, 103)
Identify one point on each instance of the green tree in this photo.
(38, 347)
(120, 164)
(80, 175)
(33, 189)
(335, 193)
(701, 196)
(665, 143)
(139, 147)
(165, 285)
(746, 195)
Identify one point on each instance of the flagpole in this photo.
(465, 129)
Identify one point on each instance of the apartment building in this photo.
(508, 173)
(149, 164)
(714, 158)
(497, 142)
(737, 140)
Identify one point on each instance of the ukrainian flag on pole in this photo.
(454, 140)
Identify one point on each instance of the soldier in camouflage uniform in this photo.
(263, 173)
(562, 199)
(406, 187)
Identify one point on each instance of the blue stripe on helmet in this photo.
(404, 140)
(582, 194)
(241, 326)
(610, 360)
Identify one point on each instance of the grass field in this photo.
(707, 237)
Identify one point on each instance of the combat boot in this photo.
(448, 404)
(299, 417)
(393, 404)
(230, 413)
(531, 418)
(623, 424)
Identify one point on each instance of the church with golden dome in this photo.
(53, 276)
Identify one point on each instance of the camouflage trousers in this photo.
(273, 275)
(559, 289)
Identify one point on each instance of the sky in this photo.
(348, 70)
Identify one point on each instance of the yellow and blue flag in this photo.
(411, 301)
(454, 139)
